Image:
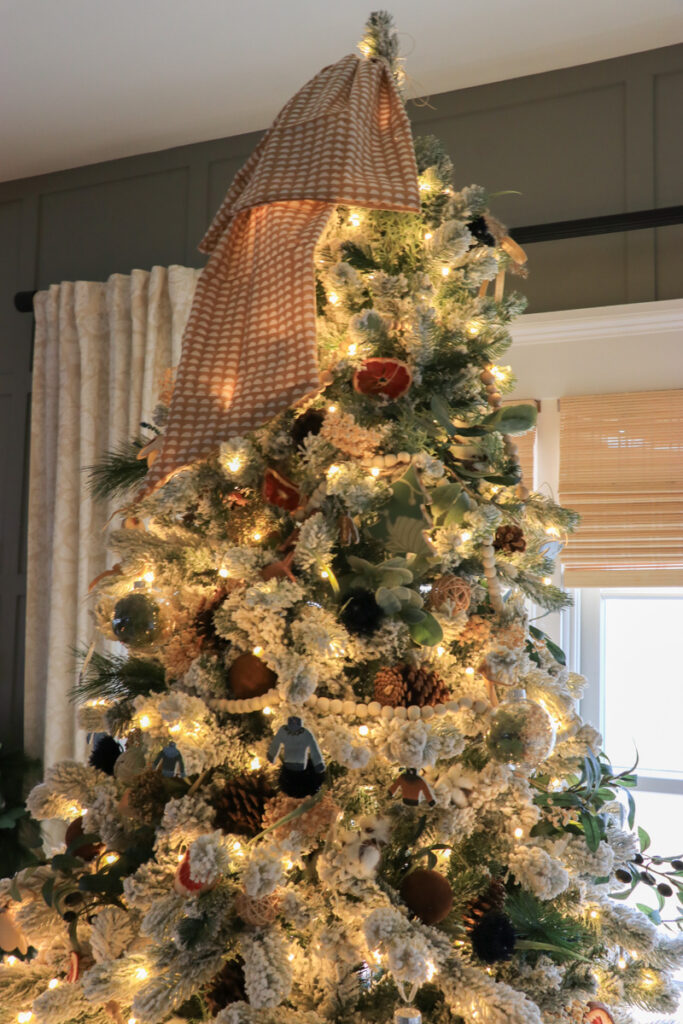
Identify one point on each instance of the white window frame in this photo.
(583, 635)
(631, 347)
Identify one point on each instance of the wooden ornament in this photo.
(12, 939)
(250, 677)
(151, 450)
(279, 570)
(114, 571)
(598, 1013)
(428, 894)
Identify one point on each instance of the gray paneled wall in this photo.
(597, 139)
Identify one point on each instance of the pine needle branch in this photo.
(112, 677)
(118, 470)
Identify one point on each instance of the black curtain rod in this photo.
(637, 220)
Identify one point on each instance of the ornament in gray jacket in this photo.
(303, 769)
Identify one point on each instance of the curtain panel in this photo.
(101, 351)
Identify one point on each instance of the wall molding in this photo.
(599, 323)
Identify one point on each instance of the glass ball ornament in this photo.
(136, 620)
(407, 1015)
(522, 732)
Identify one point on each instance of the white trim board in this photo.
(601, 322)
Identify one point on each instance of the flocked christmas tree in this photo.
(339, 776)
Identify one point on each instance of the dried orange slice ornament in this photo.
(389, 378)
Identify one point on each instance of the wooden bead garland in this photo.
(351, 709)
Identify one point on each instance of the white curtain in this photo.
(101, 351)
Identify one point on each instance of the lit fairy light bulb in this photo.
(594, 914)
(111, 858)
(424, 186)
(236, 846)
(223, 572)
(621, 963)
(427, 236)
(333, 299)
(145, 722)
(332, 408)
(445, 271)
(257, 651)
(288, 864)
(518, 833)
(363, 730)
(290, 957)
(469, 671)
(24, 1016)
(354, 220)
(498, 372)
(431, 970)
(440, 651)
(141, 973)
(149, 577)
(255, 764)
(552, 531)
(267, 711)
(374, 471)
(53, 983)
(547, 580)
(256, 535)
(473, 327)
(465, 536)
(235, 464)
(132, 1020)
(11, 961)
(175, 728)
(352, 349)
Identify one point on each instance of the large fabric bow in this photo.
(249, 348)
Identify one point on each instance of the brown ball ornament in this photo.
(250, 677)
(428, 894)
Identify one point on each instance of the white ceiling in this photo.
(88, 80)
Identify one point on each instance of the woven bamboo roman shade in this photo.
(621, 468)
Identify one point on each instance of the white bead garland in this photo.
(350, 709)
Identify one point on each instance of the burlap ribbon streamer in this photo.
(249, 348)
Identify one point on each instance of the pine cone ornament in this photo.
(509, 539)
(390, 687)
(147, 796)
(492, 898)
(203, 622)
(449, 595)
(227, 987)
(402, 685)
(316, 821)
(489, 928)
(240, 803)
(425, 688)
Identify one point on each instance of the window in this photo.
(625, 641)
